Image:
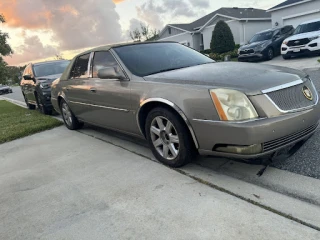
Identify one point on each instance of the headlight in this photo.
(285, 42)
(232, 105)
(44, 85)
(313, 38)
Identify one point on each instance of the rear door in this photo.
(78, 86)
(111, 100)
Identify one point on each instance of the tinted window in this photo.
(286, 29)
(46, 69)
(80, 68)
(259, 37)
(103, 60)
(308, 27)
(147, 59)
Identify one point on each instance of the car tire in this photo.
(169, 138)
(42, 109)
(68, 117)
(270, 53)
(285, 57)
(29, 106)
(1, 92)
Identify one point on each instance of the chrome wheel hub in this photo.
(165, 138)
(66, 114)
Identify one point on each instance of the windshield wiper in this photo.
(167, 70)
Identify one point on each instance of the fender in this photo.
(176, 108)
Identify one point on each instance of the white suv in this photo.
(305, 40)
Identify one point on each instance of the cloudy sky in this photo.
(39, 29)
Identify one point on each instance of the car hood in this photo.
(49, 78)
(303, 35)
(252, 45)
(249, 78)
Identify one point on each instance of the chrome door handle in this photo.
(93, 90)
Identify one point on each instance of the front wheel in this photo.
(169, 138)
(29, 106)
(42, 108)
(270, 54)
(68, 117)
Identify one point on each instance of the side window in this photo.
(103, 60)
(80, 67)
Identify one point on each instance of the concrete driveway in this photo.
(297, 63)
(61, 184)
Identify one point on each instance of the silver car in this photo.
(184, 103)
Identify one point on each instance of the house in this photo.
(294, 12)
(244, 23)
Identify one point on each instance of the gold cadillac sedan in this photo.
(184, 103)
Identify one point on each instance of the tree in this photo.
(59, 56)
(222, 38)
(144, 32)
(5, 50)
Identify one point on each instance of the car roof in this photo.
(273, 29)
(311, 21)
(104, 48)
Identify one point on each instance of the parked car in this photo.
(36, 83)
(305, 41)
(264, 45)
(5, 89)
(184, 103)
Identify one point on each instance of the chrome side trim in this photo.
(99, 106)
(175, 107)
(292, 110)
(227, 122)
(287, 85)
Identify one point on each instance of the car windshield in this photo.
(46, 69)
(308, 27)
(146, 59)
(259, 37)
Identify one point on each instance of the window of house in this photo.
(169, 30)
(102, 60)
(80, 68)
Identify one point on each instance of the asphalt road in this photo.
(305, 162)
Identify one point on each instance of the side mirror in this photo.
(109, 73)
(27, 77)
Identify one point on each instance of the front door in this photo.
(110, 98)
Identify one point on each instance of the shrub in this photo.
(207, 51)
(222, 38)
(220, 57)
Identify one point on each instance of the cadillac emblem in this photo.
(307, 93)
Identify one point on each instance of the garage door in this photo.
(298, 20)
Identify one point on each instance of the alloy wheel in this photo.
(165, 138)
(67, 116)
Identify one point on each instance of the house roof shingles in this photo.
(240, 13)
(285, 3)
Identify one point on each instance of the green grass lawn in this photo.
(17, 122)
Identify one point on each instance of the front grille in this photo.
(274, 144)
(293, 98)
(248, 51)
(298, 42)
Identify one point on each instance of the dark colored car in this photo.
(5, 89)
(36, 83)
(265, 44)
(183, 102)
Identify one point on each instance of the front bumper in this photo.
(248, 57)
(46, 98)
(274, 134)
(311, 48)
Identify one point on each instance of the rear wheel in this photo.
(29, 106)
(169, 138)
(68, 117)
(42, 108)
